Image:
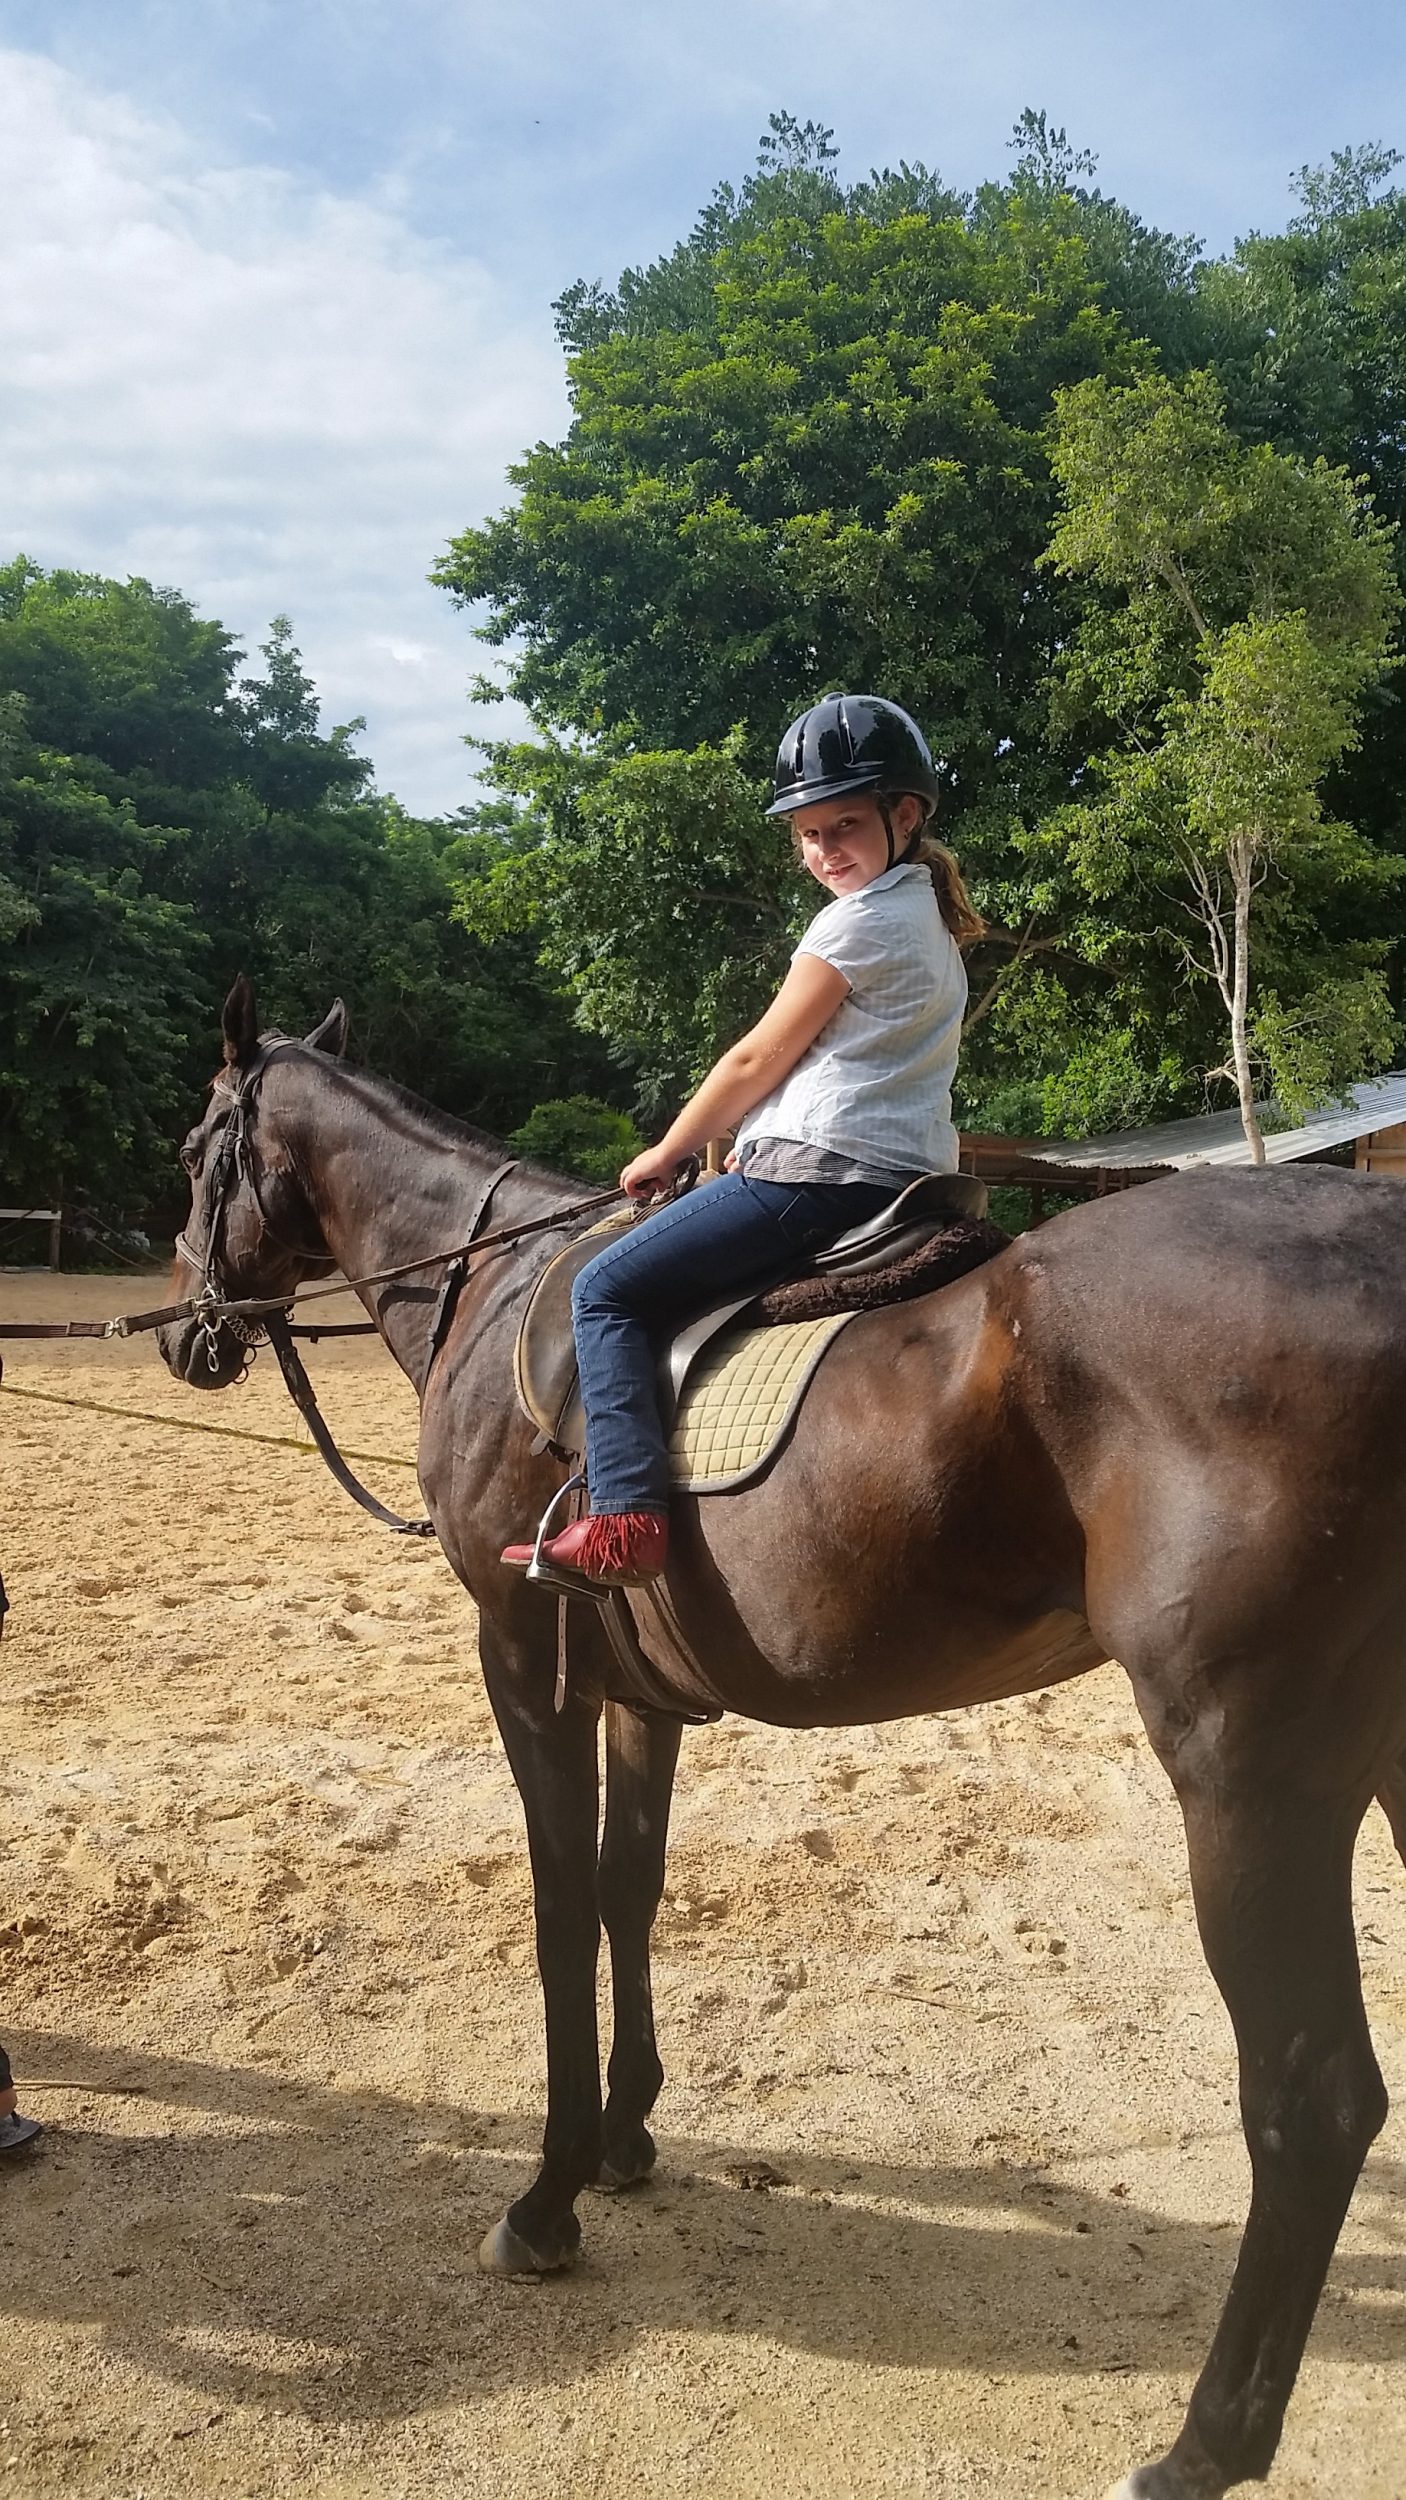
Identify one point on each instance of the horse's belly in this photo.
(884, 1677)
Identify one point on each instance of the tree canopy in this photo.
(166, 823)
(1257, 602)
(1120, 523)
(814, 447)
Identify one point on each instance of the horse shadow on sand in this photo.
(252, 2239)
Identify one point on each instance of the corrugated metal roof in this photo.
(1183, 1145)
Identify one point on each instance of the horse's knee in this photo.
(1312, 2122)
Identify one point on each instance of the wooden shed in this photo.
(1371, 1122)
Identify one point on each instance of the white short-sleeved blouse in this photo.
(876, 1084)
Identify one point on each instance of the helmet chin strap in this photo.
(909, 846)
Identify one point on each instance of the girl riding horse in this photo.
(839, 1096)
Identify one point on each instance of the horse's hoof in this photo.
(503, 2251)
(612, 2181)
(629, 2165)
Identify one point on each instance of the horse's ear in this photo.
(331, 1034)
(241, 1024)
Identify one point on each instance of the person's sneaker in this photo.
(619, 1549)
(17, 2132)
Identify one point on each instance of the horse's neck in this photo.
(389, 1187)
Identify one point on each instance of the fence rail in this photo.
(52, 1216)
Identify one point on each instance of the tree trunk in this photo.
(1239, 1046)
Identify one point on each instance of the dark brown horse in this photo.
(1169, 1428)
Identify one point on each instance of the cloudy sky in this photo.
(276, 275)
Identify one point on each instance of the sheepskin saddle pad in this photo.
(732, 1381)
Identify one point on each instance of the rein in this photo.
(134, 1323)
(250, 1318)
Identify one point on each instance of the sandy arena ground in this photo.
(950, 2176)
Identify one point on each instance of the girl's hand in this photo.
(649, 1173)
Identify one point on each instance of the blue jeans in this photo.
(729, 1237)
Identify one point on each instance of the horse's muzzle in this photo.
(202, 1356)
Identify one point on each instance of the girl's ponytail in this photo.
(953, 900)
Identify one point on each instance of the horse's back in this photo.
(1298, 1269)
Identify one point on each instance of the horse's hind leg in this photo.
(641, 1753)
(1272, 1876)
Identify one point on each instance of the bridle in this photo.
(251, 1318)
(231, 1160)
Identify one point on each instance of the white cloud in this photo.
(271, 396)
(272, 390)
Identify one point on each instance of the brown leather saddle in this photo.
(544, 1359)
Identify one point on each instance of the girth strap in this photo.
(645, 1687)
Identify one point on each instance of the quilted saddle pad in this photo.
(739, 1400)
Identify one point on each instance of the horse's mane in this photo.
(442, 1124)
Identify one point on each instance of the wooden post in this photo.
(1383, 1151)
(55, 1236)
(714, 1157)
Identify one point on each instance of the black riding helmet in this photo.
(852, 742)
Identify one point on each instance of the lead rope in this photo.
(304, 1396)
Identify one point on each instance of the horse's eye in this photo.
(190, 1157)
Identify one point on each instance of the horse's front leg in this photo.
(641, 1753)
(553, 1759)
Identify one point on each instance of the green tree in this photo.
(1252, 600)
(581, 1135)
(1304, 332)
(122, 737)
(465, 1015)
(126, 676)
(313, 883)
(97, 968)
(811, 447)
(807, 450)
(166, 823)
(657, 902)
(289, 765)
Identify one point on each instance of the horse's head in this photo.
(253, 1232)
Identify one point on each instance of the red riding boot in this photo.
(616, 1549)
